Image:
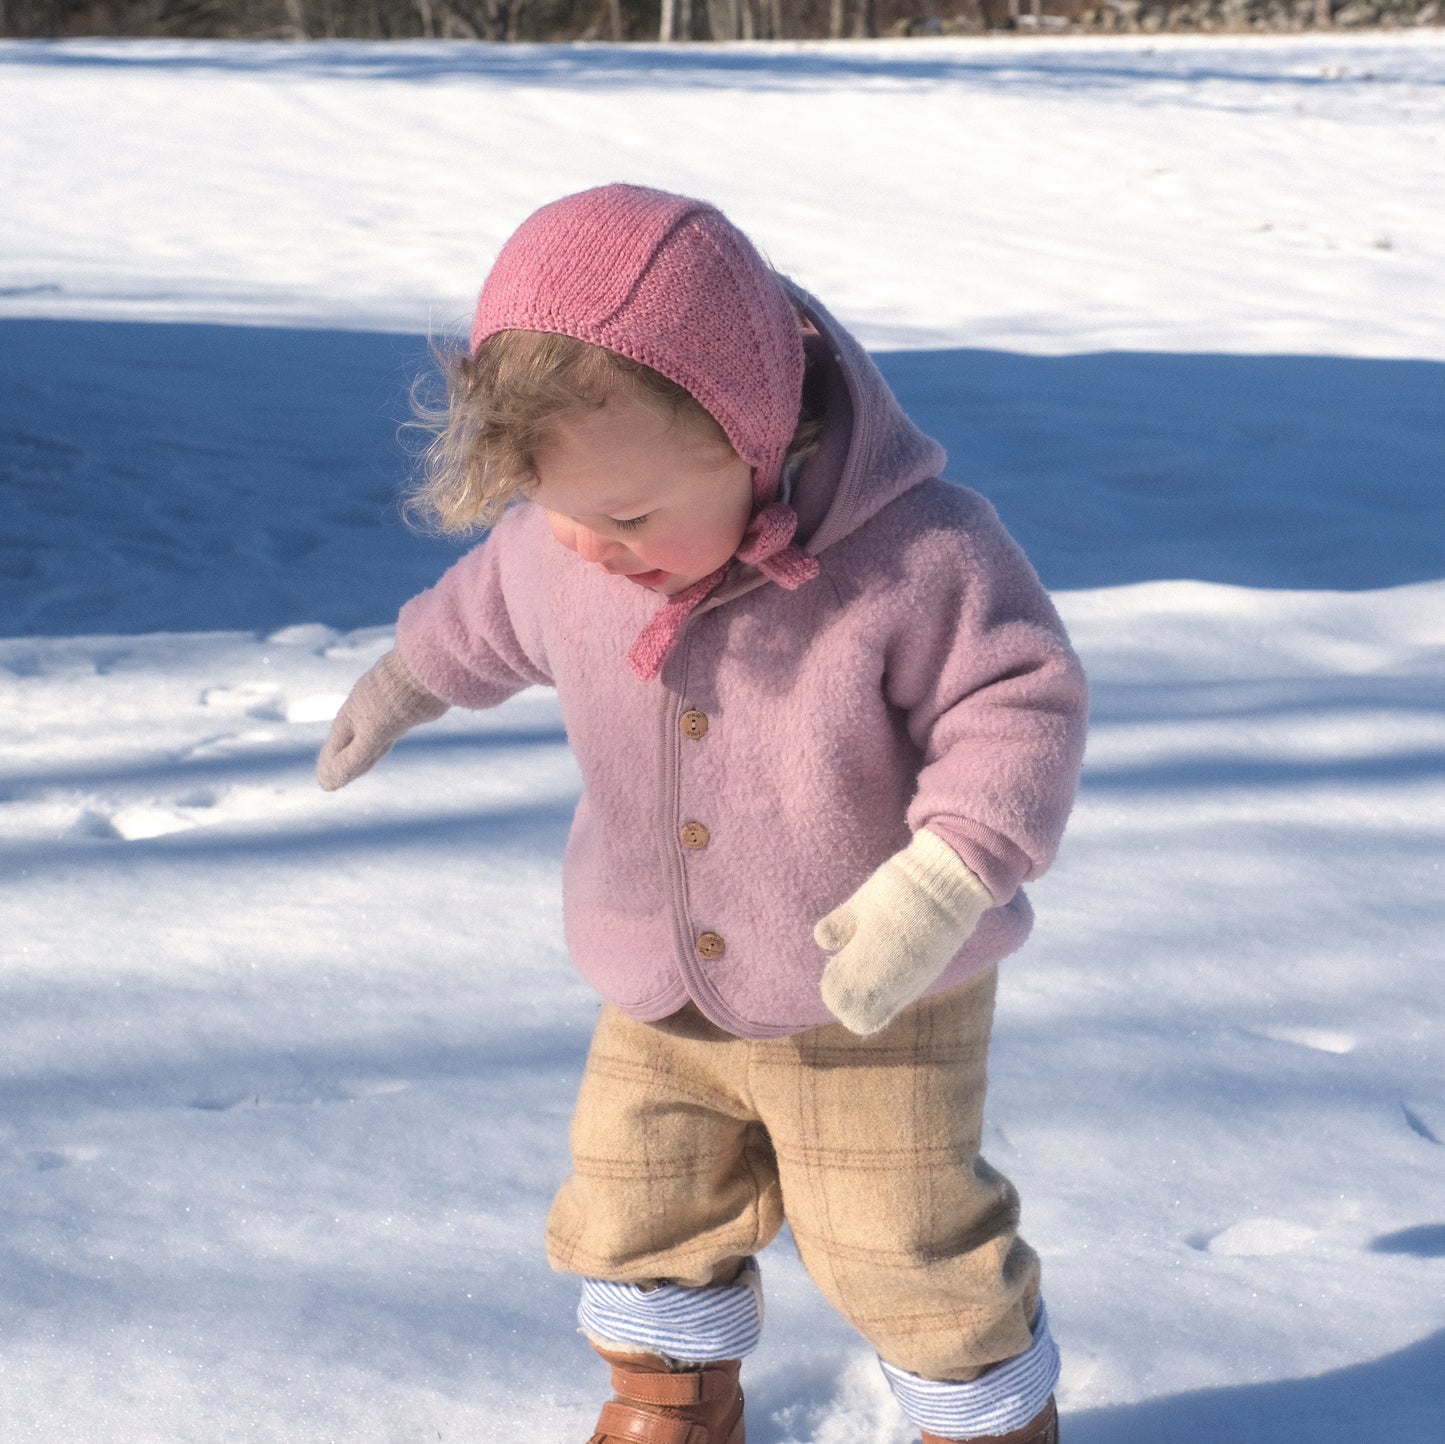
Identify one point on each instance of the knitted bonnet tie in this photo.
(673, 284)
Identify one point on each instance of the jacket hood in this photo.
(870, 452)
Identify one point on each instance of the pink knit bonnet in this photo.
(672, 283)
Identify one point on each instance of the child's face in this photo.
(658, 499)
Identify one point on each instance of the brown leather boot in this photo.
(659, 1405)
(1043, 1428)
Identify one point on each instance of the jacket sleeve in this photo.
(476, 638)
(994, 699)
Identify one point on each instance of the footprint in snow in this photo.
(219, 1102)
(140, 821)
(47, 1160)
(241, 697)
(361, 653)
(313, 1094)
(1322, 1040)
(315, 707)
(265, 702)
(24, 665)
(227, 744)
(1257, 1238)
(314, 635)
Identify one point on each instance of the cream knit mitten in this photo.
(897, 933)
(386, 702)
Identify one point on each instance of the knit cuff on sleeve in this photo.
(402, 696)
(944, 878)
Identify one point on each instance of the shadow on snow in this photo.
(1399, 1399)
(279, 764)
(199, 477)
(535, 827)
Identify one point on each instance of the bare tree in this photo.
(850, 18)
(724, 19)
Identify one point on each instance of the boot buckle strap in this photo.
(632, 1426)
(678, 1390)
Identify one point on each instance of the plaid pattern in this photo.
(691, 1146)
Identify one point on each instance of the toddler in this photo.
(827, 722)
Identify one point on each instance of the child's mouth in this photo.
(648, 579)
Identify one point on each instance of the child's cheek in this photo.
(564, 530)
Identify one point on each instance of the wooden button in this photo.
(694, 835)
(693, 724)
(710, 945)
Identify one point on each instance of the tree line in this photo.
(666, 20)
(677, 20)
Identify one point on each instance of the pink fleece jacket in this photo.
(923, 679)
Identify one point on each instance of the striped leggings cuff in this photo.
(1002, 1400)
(688, 1326)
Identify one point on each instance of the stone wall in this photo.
(972, 17)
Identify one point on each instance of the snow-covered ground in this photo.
(286, 1076)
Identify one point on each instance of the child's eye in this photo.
(632, 522)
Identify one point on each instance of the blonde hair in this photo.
(499, 406)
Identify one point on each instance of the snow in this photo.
(286, 1075)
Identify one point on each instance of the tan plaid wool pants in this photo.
(690, 1147)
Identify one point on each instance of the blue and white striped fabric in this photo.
(688, 1326)
(1004, 1399)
